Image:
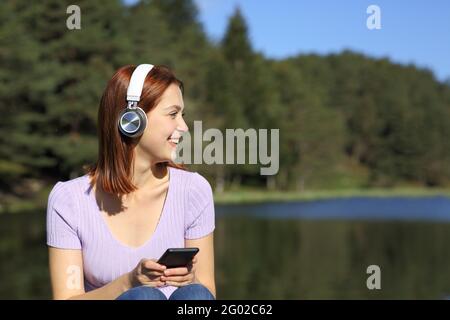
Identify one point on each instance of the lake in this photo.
(296, 250)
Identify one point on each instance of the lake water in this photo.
(305, 250)
(357, 208)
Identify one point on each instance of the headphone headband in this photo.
(137, 81)
(133, 120)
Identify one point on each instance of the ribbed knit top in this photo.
(75, 221)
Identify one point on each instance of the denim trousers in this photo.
(194, 291)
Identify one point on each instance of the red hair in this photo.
(113, 168)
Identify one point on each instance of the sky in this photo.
(415, 32)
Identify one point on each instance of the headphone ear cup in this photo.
(132, 122)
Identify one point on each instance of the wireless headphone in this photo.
(133, 120)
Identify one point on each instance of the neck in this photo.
(147, 174)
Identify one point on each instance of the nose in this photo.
(182, 126)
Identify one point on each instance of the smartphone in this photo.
(177, 257)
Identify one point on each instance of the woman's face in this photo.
(164, 127)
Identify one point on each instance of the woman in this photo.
(107, 229)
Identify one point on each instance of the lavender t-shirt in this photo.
(74, 221)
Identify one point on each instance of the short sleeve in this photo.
(200, 216)
(62, 219)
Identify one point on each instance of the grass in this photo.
(257, 196)
(240, 196)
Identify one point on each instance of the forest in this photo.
(345, 120)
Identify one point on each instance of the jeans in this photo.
(193, 291)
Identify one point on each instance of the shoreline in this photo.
(260, 196)
(248, 196)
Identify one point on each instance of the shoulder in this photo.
(64, 191)
(63, 215)
(68, 185)
(199, 214)
(200, 185)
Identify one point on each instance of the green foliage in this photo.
(345, 120)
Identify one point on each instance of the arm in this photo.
(66, 273)
(204, 271)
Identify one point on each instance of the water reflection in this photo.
(294, 259)
(260, 258)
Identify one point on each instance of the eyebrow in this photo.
(174, 106)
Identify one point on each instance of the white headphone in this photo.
(133, 120)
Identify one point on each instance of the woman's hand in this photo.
(179, 277)
(147, 273)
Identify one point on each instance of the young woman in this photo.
(107, 229)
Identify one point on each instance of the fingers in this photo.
(176, 271)
(148, 281)
(153, 274)
(152, 269)
(177, 278)
(157, 275)
(153, 265)
(191, 264)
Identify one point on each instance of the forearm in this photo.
(109, 291)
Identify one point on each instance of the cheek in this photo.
(154, 137)
(159, 129)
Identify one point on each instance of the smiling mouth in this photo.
(173, 142)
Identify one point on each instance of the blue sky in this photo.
(411, 31)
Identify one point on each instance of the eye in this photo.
(174, 114)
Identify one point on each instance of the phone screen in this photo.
(177, 257)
